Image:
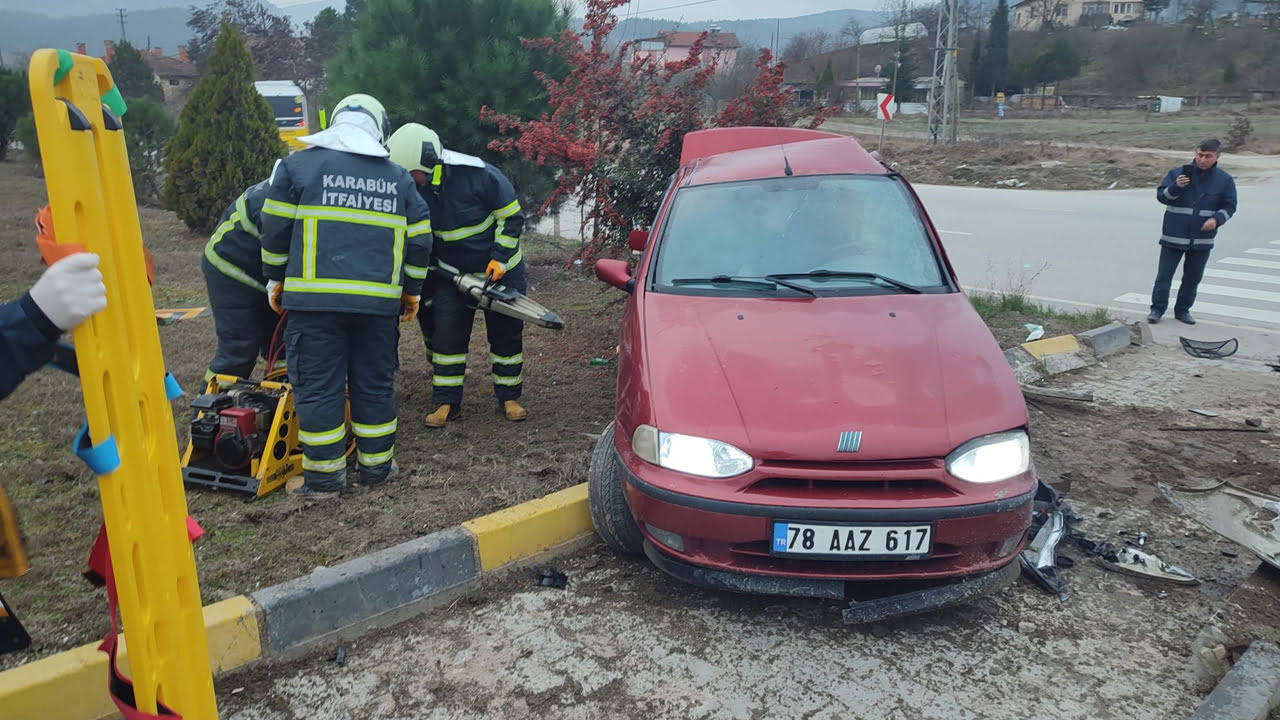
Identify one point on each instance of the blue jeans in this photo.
(1192, 271)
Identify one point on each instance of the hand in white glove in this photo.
(275, 293)
(70, 290)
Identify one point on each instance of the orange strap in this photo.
(51, 252)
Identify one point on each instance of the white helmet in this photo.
(368, 105)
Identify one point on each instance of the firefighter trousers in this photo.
(446, 330)
(243, 322)
(334, 357)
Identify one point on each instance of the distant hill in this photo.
(762, 32)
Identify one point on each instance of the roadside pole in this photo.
(999, 117)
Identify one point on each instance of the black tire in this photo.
(609, 510)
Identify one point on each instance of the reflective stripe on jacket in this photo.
(235, 248)
(345, 232)
(476, 218)
(1211, 194)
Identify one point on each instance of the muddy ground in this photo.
(484, 463)
(625, 641)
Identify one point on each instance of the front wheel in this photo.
(608, 503)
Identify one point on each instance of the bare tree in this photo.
(807, 44)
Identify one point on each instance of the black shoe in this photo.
(374, 482)
(1154, 317)
(1185, 317)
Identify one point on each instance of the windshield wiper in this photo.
(843, 274)
(780, 279)
(767, 282)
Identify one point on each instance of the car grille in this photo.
(755, 557)
(905, 480)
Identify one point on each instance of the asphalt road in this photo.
(1099, 249)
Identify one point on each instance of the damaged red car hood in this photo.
(917, 375)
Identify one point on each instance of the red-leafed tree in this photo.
(618, 119)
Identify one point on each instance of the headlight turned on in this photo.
(687, 454)
(991, 458)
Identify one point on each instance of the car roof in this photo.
(752, 153)
(277, 87)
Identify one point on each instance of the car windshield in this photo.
(865, 231)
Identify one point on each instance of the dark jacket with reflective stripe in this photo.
(235, 248)
(27, 341)
(345, 232)
(1211, 194)
(476, 218)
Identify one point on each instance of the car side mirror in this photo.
(617, 273)
(638, 239)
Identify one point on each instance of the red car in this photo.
(807, 402)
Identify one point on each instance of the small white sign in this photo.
(884, 102)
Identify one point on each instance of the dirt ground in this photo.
(1110, 449)
(478, 465)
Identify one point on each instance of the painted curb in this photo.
(1249, 690)
(77, 678)
(1033, 361)
(292, 614)
(332, 598)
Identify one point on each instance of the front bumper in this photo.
(909, 601)
(717, 534)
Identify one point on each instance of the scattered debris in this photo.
(1253, 422)
(1048, 528)
(1034, 331)
(1040, 392)
(1026, 628)
(1230, 553)
(1064, 482)
(1248, 518)
(1206, 413)
(1212, 349)
(550, 577)
(1113, 184)
(339, 656)
(1142, 539)
(1132, 561)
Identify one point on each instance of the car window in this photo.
(839, 223)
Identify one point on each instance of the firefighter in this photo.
(345, 246)
(477, 222)
(232, 265)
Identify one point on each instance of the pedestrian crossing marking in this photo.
(1250, 262)
(1243, 276)
(1262, 251)
(1231, 311)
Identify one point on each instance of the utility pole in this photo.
(121, 13)
(944, 90)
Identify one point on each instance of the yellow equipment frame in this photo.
(122, 377)
(280, 460)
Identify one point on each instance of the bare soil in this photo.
(1110, 450)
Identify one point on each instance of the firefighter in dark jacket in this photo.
(232, 265)
(65, 295)
(345, 245)
(477, 222)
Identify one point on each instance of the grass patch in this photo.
(1007, 314)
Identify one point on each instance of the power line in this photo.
(120, 12)
(688, 4)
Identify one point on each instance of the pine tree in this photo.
(438, 62)
(132, 75)
(14, 103)
(147, 130)
(995, 61)
(975, 64)
(227, 138)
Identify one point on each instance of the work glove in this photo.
(409, 307)
(494, 271)
(70, 290)
(275, 292)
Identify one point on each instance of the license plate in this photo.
(909, 542)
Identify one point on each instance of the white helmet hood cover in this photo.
(353, 132)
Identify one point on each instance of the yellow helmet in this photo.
(368, 105)
(415, 147)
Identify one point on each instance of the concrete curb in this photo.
(71, 685)
(1249, 690)
(1033, 361)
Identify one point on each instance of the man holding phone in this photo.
(1199, 199)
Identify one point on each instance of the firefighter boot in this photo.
(513, 411)
(443, 415)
